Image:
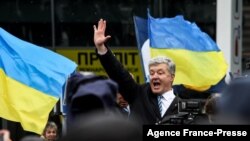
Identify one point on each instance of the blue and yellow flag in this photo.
(199, 61)
(31, 81)
(141, 31)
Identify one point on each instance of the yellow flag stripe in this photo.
(24, 104)
(195, 69)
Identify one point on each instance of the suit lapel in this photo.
(173, 108)
(155, 106)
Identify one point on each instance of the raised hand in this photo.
(99, 36)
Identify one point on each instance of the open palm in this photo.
(99, 34)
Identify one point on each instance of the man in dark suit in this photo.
(150, 103)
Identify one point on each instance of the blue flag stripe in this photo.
(175, 33)
(34, 66)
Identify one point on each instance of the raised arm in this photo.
(100, 38)
(114, 69)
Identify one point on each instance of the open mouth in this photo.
(156, 84)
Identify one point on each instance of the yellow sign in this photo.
(87, 60)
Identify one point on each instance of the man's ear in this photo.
(172, 76)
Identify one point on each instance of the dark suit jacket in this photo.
(142, 101)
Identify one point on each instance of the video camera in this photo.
(190, 111)
(193, 106)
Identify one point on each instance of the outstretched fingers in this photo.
(99, 31)
(101, 25)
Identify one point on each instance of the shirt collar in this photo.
(169, 95)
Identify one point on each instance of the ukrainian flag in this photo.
(199, 61)
(141, 32)
(31, 81)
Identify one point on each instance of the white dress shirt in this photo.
(167, 99)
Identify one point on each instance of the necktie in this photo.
(160, 103)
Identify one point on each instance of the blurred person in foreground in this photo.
(151, 103)
(92, 111)
(211, 107)
(88, 94)
(234, 105)
(32, 138)
(100, 127)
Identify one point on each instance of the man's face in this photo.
(160, 78)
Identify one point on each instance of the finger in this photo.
(107, 37)
(94, 27)
(101, 24)
(104, 25)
